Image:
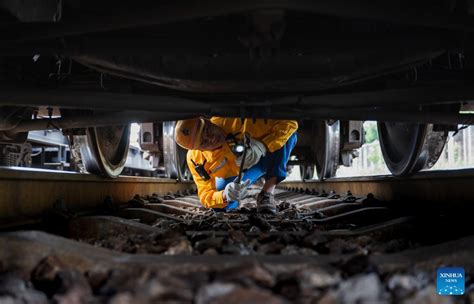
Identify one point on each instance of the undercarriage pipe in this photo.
(103, 120)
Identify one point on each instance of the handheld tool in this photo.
(242, 163)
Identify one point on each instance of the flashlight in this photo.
(238, 149)
(245, 145)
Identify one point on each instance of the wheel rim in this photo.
(104, 150)
(11, 115)
(409, 148)
(174, 156)
(326, 148)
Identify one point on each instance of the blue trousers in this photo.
(271, 165)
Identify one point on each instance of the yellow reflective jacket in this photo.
(221, 162)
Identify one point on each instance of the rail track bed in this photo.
(158, 244)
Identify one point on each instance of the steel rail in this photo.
(27, 194)
(34, 246)
(434, 187)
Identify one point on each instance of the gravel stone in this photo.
(12, 287)
(428, 295)
(365, 288)
(243, 273)
(402, 285)
(182, 247)
(318, 278)
(221, 293)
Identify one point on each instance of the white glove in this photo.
(235, 191)
(254, 152)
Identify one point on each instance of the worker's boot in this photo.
(266, 203)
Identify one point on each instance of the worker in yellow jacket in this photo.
(214, 159)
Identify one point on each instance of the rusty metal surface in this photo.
(33, 246)
(27, 194)
(435, 187)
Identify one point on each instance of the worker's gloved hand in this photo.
(255, 151)
(235, 191)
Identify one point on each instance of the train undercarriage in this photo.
(91, 69)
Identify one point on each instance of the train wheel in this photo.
(409, 148)
(174, 156)
(103, 150)
(306, 172)
(14, 148)
(326, 148)
(11, 116)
